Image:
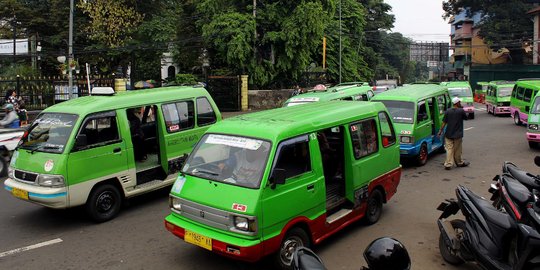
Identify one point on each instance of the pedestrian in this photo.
(23, 114)
(11, 119)
(453, 136)
(297, 90)
(11, 97)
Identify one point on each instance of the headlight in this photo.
(405, 139)
(47, 180)
(175, 204)
(244, 224)
(533, 126)
(11, 172)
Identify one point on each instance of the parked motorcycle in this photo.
(384, 253)
(487, 236)
(527, 179)
(9, 139)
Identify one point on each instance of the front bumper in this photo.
(533, 137)
(502, 110)
(223, 244)
(409, 150)
(49, 197)
(469, 109)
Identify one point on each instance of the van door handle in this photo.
(117, 150)
(311, 187)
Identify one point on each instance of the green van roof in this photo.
(413, 92)
(282, 123)
(532, 83)
(335, 92)
(92, 104)
(457, 84)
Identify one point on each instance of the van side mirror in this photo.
(81, 141)
(278, 177)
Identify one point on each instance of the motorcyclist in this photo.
(11, 119)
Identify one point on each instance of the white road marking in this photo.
(469, 128)
(481, 109)
(19, 250)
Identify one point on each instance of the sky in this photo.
(420, 20)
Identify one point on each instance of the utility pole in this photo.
(339, 41)
(70, 50)
(14, 39)
(255, 33)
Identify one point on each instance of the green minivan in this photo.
(498, 97)
(359, 91)
(417, 111)
(462, 90)
(268, 182)
(101, 149)
(522, 98)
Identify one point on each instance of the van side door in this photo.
(99, 152)
(302, 194)
(423, 124)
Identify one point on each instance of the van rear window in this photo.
(401, 111)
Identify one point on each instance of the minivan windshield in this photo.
(401, 111)
(505, 91)
(460, 92)
(234, 160)
(49, 132)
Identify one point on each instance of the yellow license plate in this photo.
(199, 240)
(19, 193)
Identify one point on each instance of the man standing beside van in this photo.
(453, 136)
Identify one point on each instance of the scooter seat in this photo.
(522, 176)
(490, 213)
(519, 193)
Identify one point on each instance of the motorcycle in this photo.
(529, 180)
(9, 139)
(487, 236)
(514, 198)
(384, 253)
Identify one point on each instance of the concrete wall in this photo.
(268, 99)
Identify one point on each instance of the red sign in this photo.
(239, 207)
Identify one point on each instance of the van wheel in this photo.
(471, 116)
(296, 237)
(104, 203)
(374, 207)
(421, 159)
(517, 121)
(449, 255)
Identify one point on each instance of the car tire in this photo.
(374, 207)
(533, 145)
(449, 255)
(422, 157)
(104, 203)
(295, 237)
(471, 116)
(517, 121)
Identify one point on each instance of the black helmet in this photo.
(388, 254)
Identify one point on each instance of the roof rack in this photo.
(504, 82)
(352, 83)
(529, 79)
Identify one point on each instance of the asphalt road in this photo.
(137, 239)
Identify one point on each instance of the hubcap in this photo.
(105, 201)
(288, 247)
(373, 207)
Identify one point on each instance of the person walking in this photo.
(11, 97)
(453, 136)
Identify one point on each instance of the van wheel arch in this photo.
(375, 202)
(297, 232)
(109, 192)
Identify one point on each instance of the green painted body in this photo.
(79, 167)
(276, 208)
(521, 106)
(481, 87)
(418, 132)
(466, 98)
(357, 92)
(493, 96)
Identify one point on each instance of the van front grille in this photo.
(206, 215)
(25, 176)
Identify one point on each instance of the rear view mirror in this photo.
(278, 177)
(81, 141)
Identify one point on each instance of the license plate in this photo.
(19, 193)
(198, 240)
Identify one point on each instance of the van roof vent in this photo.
(102, 91)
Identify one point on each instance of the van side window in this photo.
(520, 93)
(178, 116)
(514, 91)
(422, 112)
(205, 112)
(100, 131)
(294, 157)
(364, 138)
(441, 102)
(387, 130)
(527, 95)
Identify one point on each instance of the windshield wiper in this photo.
(43, 147)
(205, 172)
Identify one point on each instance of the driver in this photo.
(248, 165)
(11, 119)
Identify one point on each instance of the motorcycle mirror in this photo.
(537, 161)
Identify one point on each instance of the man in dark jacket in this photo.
(453, 136)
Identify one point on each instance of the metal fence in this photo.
(41, 92)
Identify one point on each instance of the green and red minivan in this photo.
(267, 182)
